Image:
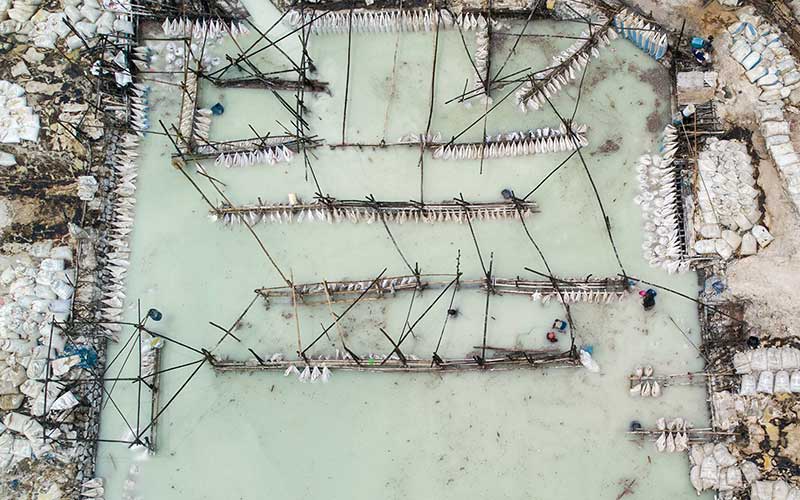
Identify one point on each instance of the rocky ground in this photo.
(39, 193)
(39, 204)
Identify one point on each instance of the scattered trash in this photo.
(87, 355)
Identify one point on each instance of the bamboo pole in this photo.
(507, 362)
(155, 390)
(296, 313)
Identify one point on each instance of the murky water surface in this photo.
(544, 434)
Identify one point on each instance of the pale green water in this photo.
(519, 435)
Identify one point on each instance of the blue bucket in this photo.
(698, 43)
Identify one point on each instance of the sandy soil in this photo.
(766, 281)
(699, 20)
(769, 280)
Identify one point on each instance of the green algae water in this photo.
(521, 434)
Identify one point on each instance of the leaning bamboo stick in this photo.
(296, 313)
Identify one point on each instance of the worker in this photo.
(700, 56)
(560, 325)
(708, 44)
(649, 299)
(552, 337)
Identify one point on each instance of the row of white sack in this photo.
(672, 442)
(739, 219)
(731, 242)
(658, 200)
(785, 156)
(308, 374)
(125, 166)
(646, 389)
(534, 94)
(269, 155)
(767, 358)
(509, 149)
(512, 136)
(203, 29)
(188, 110)
(777, 132)
(480, 66)
(368, 215)
(770, 383)
(202, 126)
(647, 37)
(383, 21)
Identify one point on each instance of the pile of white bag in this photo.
(88, 17)
(795, 5)
(775, 370)
(38, 291)
(23, 438)
(714, 467)
(766, 61)
(727, 213)
(87, 187)
(770, 65)
(18, 122)
(773, 490)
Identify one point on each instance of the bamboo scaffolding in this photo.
(155, 390)
(471, 7)
(700, 435)
(678, 379)
(270, 83)
(512, 360)
(332, 210)
(188, 110)
(564, 72)
(590, 291)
